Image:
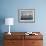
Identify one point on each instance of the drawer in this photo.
(9, 43)
(40, 37)
(16, 37)
(33, 43)
(13, 43)
(37, 43)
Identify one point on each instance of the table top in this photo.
(22, 35)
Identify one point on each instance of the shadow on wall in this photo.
(1, 39)
(2, 21)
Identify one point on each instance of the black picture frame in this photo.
(26, 15)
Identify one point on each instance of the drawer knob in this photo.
(33, 42)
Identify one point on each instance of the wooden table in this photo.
(20, 39)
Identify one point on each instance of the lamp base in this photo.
(9, 33)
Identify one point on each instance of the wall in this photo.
(9, 8)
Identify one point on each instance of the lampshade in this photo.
(9, 21)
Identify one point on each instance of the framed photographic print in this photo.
(26, 15)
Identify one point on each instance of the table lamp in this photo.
(9, 21)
